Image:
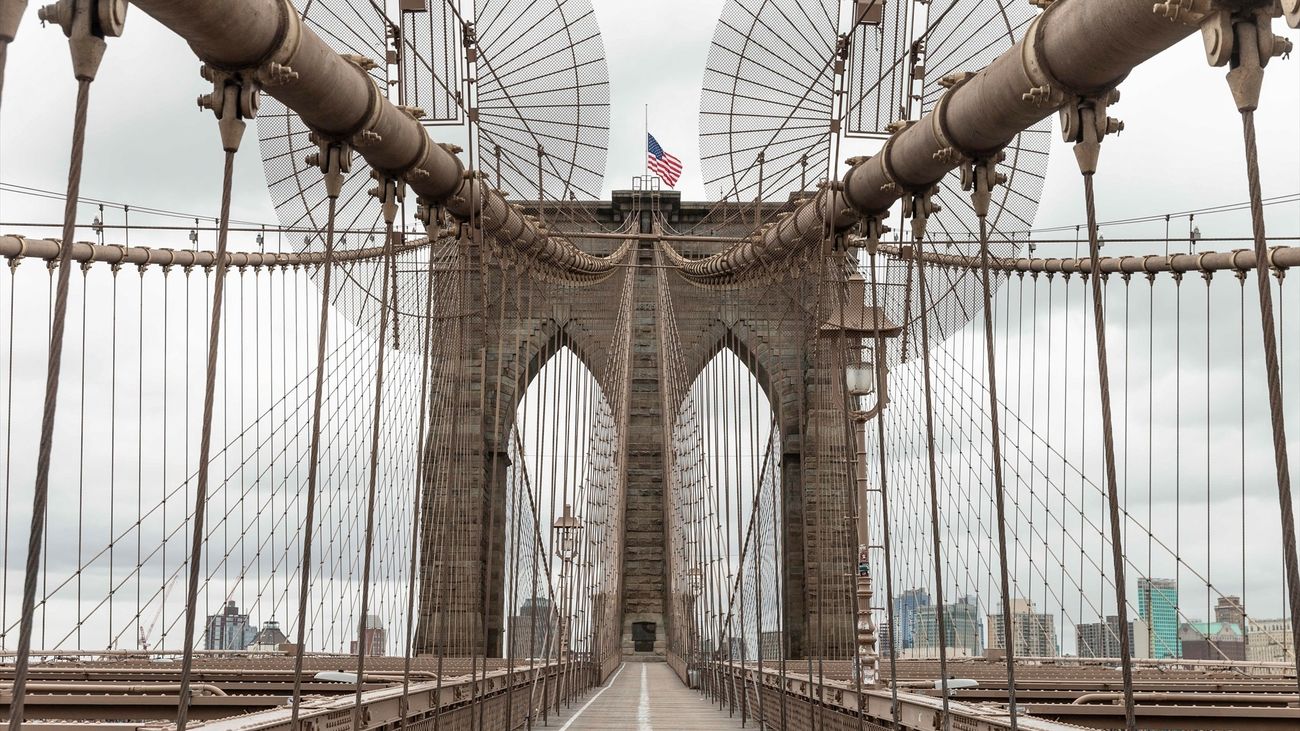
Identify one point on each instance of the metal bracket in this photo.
(979, 178)
(86, 23)
(919, 206)
(234, 98)
(389, 192)
(1085, 124)
(1245, 43)
(334, 160)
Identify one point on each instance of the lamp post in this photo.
(861, 379)
(566, 528)
(694, 586)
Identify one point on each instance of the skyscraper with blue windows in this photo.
(1158, 606)
(906, 606)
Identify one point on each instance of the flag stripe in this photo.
(663, 164)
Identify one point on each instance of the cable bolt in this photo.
(362, 62)
(1191, 12)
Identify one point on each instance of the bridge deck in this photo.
(640, 697)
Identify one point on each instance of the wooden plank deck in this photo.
(645, 696)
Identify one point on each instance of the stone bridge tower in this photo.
(772, 329)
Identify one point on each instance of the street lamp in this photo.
(566, 528)
(694, 587)
(860, 377)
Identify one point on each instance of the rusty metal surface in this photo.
(249, 692)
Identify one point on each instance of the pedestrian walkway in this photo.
(644, 696)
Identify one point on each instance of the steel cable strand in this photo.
(167, 536)
(205, 443)
(1108, 447)
(423, 443)
(313, 465)
(934, 488)
(40, 494)
(1273, 379)
(999, 484)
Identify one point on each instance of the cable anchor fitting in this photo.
(389, 193)
(1085, 124)
(1244, 42)
(873, 228)
(334, 159)
(86, 23)
(431, 216)
(919, 207)
(234, 98)
(979, 178)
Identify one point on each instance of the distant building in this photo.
(374, 638)
(270, 639)
(229, 630)
(963, 631)
(1230, 610)
(1101, 639)
(1034, 633)
(906, 607)
(532, 631)
(1212, 641)
(1269, 640)
(1158, 605)
(770, 644)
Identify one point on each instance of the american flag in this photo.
(664, 165)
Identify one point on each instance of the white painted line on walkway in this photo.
(643, 707)
(592, 699)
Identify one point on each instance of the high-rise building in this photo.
(1269, 640)
(963, 631)
(229, 630)
(1034, 633)
(1101, 639)
(906, 606)
(374, 638)
(1158, 606)
(532, 631)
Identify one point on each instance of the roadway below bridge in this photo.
(641, 696)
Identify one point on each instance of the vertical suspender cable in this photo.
(983, 178)
(41, 492)
(1108, 453)
(333, 167)
(1245, 80)
(389, 189)
(423, 446)
(232, 127)
(920, 210)
(1086, 124)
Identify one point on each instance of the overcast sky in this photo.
(149, 146)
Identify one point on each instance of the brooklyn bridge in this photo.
(928, 401)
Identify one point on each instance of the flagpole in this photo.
(645, 141)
